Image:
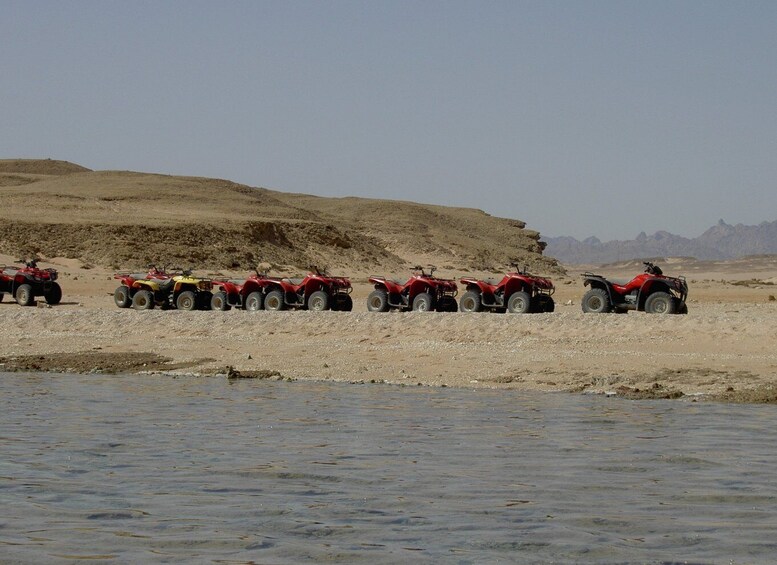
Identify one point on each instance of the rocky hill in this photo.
(127, 219)
(722, 241)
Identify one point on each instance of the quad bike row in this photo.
(26, 283)
(517, 292)
(181, 290)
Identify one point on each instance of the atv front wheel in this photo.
(54, 295)
(470, 302)
(660, 303)
(377, 301)
(447, 304)
(342, 303)
(596, 301)
(186, 301)
(143, 300)
(519, 303)
(121, 296)
(202, 300)
(318, 301)
(219, 301)
(274, 301)
(24, 295)
(255, 301)
(423, 302)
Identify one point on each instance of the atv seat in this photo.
(137, 276)
(619, 282)
(10, 272)
(166, 285)
(295, 282)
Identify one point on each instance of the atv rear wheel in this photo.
(274, 301)
(519, 303)
(660, 303)
(24, 295)
(596, 301)
(186, 301)
(544, 303)
(54, 295)
(377, 301)
(219, 301)
(121, 296)
(143, 300)
(255, 301)
(318, 301)
(470, 302)
(423, 302)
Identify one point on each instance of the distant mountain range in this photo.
(722, 241)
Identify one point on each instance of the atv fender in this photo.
(649, 287)
(601, 282)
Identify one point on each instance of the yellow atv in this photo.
(184, 292)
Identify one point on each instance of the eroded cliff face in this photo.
(122, 219)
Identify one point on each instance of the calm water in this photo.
(191, 470)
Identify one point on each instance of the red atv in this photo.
(517, 292)
(123, 294)
(650, 291)
(247, 294)
(317, 291)
(27, 282)
(422, 292)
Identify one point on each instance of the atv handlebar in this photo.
(652, 269)
(518, 268)
(432, 269)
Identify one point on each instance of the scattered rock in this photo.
(233, 373)
(656, 391)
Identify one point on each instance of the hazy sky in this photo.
(579, 117)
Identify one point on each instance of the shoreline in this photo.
(152, 365)
(720, 352)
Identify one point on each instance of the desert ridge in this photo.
(124, 219)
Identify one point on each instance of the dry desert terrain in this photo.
(723, 349)
(90, 223)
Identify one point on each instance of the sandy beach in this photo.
(723, 349)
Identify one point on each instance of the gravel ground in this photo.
(720, 350)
